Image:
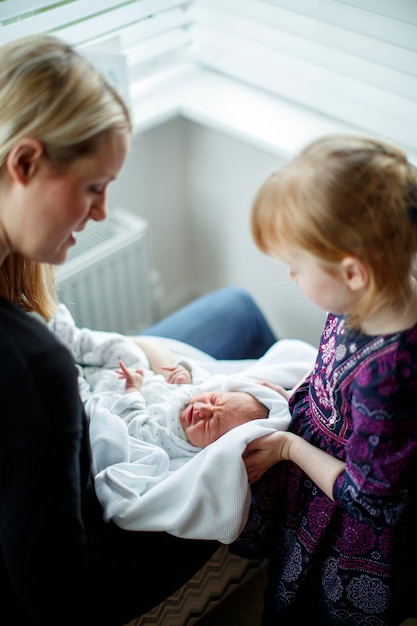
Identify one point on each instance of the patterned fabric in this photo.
(352, 561)
(219, 577)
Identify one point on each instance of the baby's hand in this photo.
(178, 375)
(134, 379)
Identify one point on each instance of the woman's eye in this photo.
(96, 190)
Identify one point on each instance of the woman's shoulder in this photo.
(14, 318)
(24, 336)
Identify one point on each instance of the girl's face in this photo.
(320, 281)
(47, 208)
(210, 414)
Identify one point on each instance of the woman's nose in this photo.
(98, 211)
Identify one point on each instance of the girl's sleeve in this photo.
(382, 449)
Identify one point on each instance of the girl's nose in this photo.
(292, 275)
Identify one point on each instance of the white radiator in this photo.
(106, 280)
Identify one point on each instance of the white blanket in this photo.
(206, 498)
(202, 495)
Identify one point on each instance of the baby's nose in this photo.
(203, 410)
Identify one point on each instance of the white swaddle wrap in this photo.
(147, 476)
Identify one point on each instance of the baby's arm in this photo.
(134, 379)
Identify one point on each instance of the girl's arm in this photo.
(262, 453)
(287, 393)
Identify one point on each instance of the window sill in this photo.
(216, 101)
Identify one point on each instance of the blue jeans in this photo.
(227, 324)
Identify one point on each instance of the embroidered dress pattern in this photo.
(359, 404)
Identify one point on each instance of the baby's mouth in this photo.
(189, 415)
(193, 415)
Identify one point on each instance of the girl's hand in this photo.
(285, 393)
(319, 465)
(263, 453)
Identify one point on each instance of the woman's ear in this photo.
(24, 158)
(355, 273)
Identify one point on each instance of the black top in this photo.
(44, 467)
(59, 562)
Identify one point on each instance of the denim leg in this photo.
(227, 324)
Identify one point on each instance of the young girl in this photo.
(337, 518)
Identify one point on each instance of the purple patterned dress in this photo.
(352, 561)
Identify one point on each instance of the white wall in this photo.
(195, 186)
(151, 185)
(223, 175)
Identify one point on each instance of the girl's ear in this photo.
(24, 158)
(355, 273)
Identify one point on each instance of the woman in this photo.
(64, 135)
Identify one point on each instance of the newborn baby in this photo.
(208, 414)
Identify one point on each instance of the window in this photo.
(352, 60)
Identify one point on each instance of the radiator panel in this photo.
(105, 281)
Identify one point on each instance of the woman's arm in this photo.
(163, 361)
(45, 554)
(157, 354)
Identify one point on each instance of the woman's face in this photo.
(46, 209)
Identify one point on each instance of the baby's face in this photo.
(210, 414)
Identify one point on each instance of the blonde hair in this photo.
(29, 284)
(50, 92)
(346, 195)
